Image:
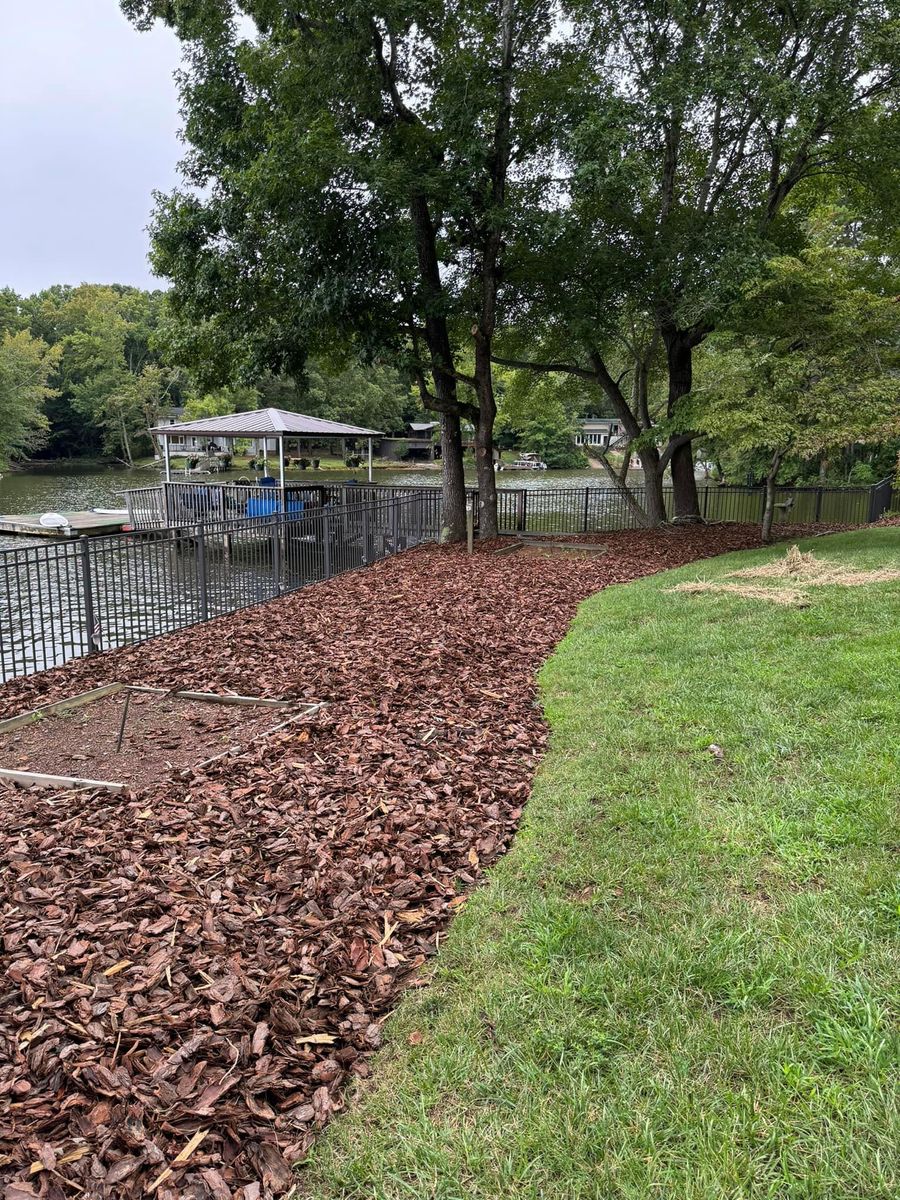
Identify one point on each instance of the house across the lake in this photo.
(420, 440)
(598, 431)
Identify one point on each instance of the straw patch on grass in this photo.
(789, 596)
(816, 572)
(795, 568)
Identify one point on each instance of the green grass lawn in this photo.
(684, 979)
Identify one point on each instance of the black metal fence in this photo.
(70, 598)
(588, 510)
(520, 510)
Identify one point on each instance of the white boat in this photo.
(527, 462)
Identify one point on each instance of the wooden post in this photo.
(470, 526)
(123, 720)
(521, 502)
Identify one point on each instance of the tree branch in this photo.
(388, 70)
(546, 368)
(675, 443)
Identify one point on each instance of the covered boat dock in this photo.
(264, 425)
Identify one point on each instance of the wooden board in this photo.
(64, 782)
(50, 710)
(81, 524)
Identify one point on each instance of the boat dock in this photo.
(80, 524)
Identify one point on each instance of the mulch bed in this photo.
(198, 969)
(162, 734)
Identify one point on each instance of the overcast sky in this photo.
(88, 128)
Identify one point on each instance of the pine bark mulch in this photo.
(193, 971)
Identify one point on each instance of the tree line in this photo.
(80, 374)
(629, 195)
(89, 371)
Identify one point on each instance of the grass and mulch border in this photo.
(194, 972)
(683, 978)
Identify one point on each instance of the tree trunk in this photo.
(654, 505)
(680, 367)
(484, 442)
(625, 493)
(444, 399)
(686, 501)
(126, 445)
(769, 509)
(453, 515)
(490, 273)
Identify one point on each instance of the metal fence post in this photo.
(366, 534)
(326, 543)
(276, 558)
(202, 584)
(587, 500)
(87, 589)
(818, 515)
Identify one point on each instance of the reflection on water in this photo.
(72, 489)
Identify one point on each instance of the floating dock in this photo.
(81, 524)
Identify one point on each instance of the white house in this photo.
(598, 431)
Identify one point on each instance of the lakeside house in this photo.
(598, 431)
(420, 441)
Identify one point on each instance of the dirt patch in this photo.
(218, 953)
(162, 734)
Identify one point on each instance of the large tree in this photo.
(348, 185)
(695, 124)
(810, 363)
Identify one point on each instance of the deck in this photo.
(81, 524)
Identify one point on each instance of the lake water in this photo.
(72, 488)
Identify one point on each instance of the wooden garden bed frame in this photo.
(39, 779)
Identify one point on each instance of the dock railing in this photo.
(62, 600)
